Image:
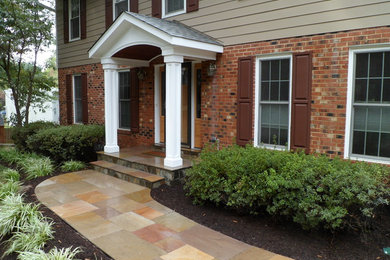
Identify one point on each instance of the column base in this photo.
(111, 149)
(173, 162)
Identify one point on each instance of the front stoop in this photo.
(128, 174)
(168, 173)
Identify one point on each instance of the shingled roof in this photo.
(176, 29)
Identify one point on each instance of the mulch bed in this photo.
(285, 238)
(64, 236)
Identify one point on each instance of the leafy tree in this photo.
(25, 30)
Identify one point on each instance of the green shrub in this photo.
(20, 134)
(53, 254)
(76, 142)
(15, 214)
(314, 191)
(30, 237)
(9, 188)
(36, 167)
(72, 166)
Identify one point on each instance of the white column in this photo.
(173, 111)
(111, 107)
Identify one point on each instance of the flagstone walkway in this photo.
(124, 221)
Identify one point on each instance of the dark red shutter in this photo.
(245, 100)
(134, 101)
(66, 20)
(84, 97)
(192, 5)
(156, 8)
(69, 103)
(134, 6)
(83, 19)
(109, 9)
(301, 100)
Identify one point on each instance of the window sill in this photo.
(368, 159)
(173, 14)
(122, 131)
(272, 147)
(74, 40)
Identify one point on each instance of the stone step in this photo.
(152, 165)
(128, 174)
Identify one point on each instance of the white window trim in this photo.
(165, 15)
(70, 24)
(74, 99)
(113, 8)
(348, 122)
(257, 100)
(119, 108)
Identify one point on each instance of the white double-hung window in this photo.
(120, 6)
(273, 95)
(74, 19)
(368, 114)
(173, 7)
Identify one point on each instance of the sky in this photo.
(48, 52)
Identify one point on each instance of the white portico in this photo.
(135, 40)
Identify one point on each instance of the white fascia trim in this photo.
(257, 99)
(348, 121)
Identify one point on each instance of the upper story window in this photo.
(274, 102)
(370, 111)
(120, 6)
(173, 7)
(74, 19)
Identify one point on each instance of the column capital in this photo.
(173, 59)
(109, 64)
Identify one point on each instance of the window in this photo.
(370, 120)
(274, 106)
(74, 19)
(78, 101)
(124, 99)
(173, 7)
(120, 6)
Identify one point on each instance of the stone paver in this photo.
(124, 221)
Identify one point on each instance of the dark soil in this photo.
(284, 238)
(64, 236)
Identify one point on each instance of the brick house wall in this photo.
(219, 92)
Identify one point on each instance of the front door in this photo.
(185, 105)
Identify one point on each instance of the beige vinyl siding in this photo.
(234, 22)
(242, 21)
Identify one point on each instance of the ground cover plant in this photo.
(25, 232)
(311, 190)
(71, 166)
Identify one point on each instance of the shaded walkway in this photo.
(124, 221)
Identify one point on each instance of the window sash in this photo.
(120, 6)
(74, 19)
(77, 99)
(124, 99)
(274, 104)
(174, 6)
(370, 124)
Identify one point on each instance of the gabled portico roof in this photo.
(172, 37)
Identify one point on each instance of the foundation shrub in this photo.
(20, 134)
(64, 143)
(311, 190)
